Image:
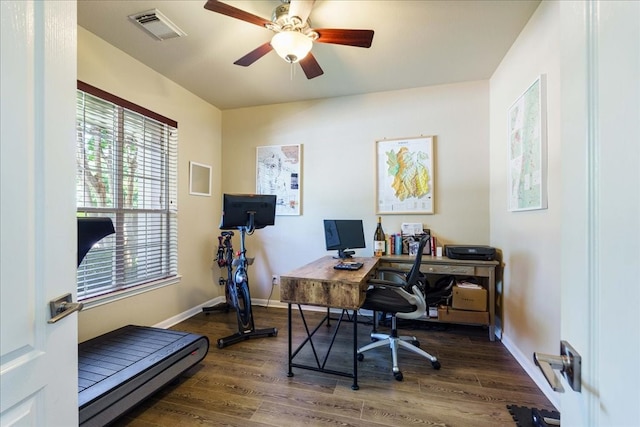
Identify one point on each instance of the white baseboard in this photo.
(532, 370)
(269, 303)
(187, 314)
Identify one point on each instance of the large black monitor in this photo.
(251, 211)
(343, 234)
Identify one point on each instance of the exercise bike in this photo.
(237, 283)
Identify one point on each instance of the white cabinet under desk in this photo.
(485, 270)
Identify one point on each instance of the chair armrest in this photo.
(386, 283)
(394, 272)
(391, 270)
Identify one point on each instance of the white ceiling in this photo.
(416, 43)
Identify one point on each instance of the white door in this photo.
(38, 361)
(601, 211)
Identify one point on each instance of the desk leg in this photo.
(355, 351)
(290, 373)
(320, 367)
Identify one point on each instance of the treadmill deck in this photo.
(121, 368)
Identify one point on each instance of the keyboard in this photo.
(347, 265)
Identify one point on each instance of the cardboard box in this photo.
(474, 299)
(448, 314)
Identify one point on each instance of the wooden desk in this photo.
(319, 284)
(446, 266)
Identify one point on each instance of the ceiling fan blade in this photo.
(254, 55)
(234, 12)
(357, 38)
(301, 9)
(310, 66)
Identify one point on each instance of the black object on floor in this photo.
(119, 369)
(533, 417)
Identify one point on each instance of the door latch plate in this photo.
(572, 367)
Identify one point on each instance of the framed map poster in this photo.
(527, 146)
(278, 172)
(404, 176)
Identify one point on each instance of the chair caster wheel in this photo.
(436, 365)
(360, 357)
(398, 376)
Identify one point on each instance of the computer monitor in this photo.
(249, 211)
(343, 234)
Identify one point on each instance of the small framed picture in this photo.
(413, 248)
(408, 240)
(199, 179)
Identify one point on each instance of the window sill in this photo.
(90, 303)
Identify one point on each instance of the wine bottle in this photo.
(378, 239)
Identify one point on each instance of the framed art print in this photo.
(278, 172)
(527, 146)
(404, 176)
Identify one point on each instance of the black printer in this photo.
(474, 252)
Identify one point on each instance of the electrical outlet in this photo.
(274, 279)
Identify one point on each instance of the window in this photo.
(126, 170)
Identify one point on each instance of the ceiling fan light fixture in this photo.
(291, 46)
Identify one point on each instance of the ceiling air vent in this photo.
(157, 25)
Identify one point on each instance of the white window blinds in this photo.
(127, 171)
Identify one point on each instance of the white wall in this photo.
(530, 241)
(199, 133)
(338, 137)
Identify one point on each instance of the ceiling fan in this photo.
(294, 36)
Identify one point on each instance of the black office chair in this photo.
(403, 297)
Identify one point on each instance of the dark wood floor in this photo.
(246, 384)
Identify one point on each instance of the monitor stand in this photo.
(342, 254)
